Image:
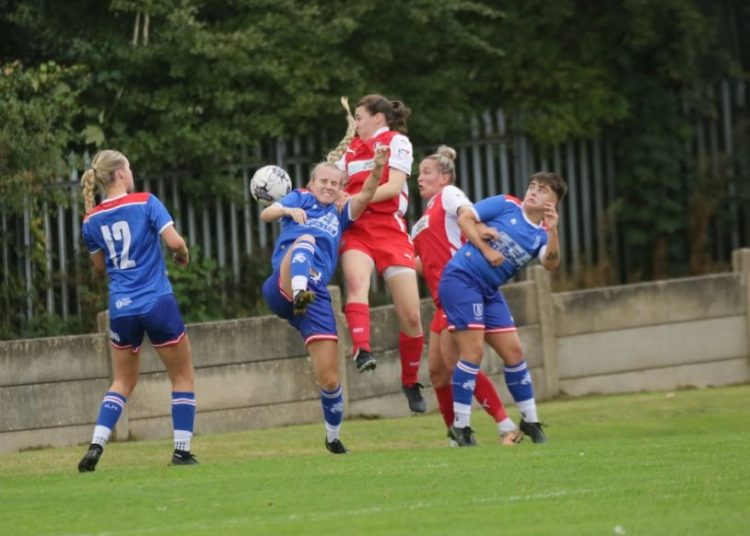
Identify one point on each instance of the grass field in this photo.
(653, 463)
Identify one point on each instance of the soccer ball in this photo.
(269, 184)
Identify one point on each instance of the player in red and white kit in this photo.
(437, 237)
(380, 239)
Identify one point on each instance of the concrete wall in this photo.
(255, 372)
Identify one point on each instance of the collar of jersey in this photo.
(525, 217)
(379, 131)
(115, 197)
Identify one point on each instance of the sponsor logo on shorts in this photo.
(478, 309)
(114, 335)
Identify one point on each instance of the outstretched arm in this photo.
(370, 186)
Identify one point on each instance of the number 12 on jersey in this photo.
(120, 232)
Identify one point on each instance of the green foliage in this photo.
(180, 85)
(206, 292)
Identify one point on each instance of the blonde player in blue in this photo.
(123, 235)
(304, 260)
(475, 307)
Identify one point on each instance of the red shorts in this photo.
(383, 238)
(439, 321)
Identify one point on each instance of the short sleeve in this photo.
(454, 199)
(291, 200)
(401, 154)
(89, 239)
(158, 216)
(489, 208)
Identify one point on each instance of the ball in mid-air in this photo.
(269, 184)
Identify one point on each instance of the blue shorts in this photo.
(163, 324)
(318, 323)
(471, 304)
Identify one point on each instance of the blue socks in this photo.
(333, 411)
(183, 419)
(518, 380)
(109, 412)
(463, 384)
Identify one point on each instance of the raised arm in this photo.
(551, 259)
(370, 186)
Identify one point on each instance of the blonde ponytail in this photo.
(102, 172)
(351, 129)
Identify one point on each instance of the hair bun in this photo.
(447, 152)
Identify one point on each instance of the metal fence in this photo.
(494, 158)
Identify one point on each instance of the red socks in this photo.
(444, 396)
(410, 349)
(487, 396)
(358, 318)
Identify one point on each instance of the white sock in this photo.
(182, 440)
(332, 432)
(101, 435)
(528, 410)
(299, 284)
(506, 426)
(462, 415)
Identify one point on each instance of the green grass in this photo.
(652, 463)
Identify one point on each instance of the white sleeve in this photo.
(341, 163)
(402, 156)
(454, 199)
(542, 252)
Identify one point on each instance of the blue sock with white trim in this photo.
(332, 403)
(183, 419)
(109, 412)
(519, 383)
(302, 257)
(463, 383)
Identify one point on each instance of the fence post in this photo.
(542, 284)
(344, 346)
(741, 265)
(122, 428)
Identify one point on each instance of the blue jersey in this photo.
(324, 222)
(520, 241)
(127, 229)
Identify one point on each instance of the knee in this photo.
(512, 355)
(329, 381)
(357, 282)
(124, 386)
(439, 376)
(412, 320)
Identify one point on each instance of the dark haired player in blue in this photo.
(123, 235)
(474, 305)
(304, 260)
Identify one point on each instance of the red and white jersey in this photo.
(436, 235)
(359, 160)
